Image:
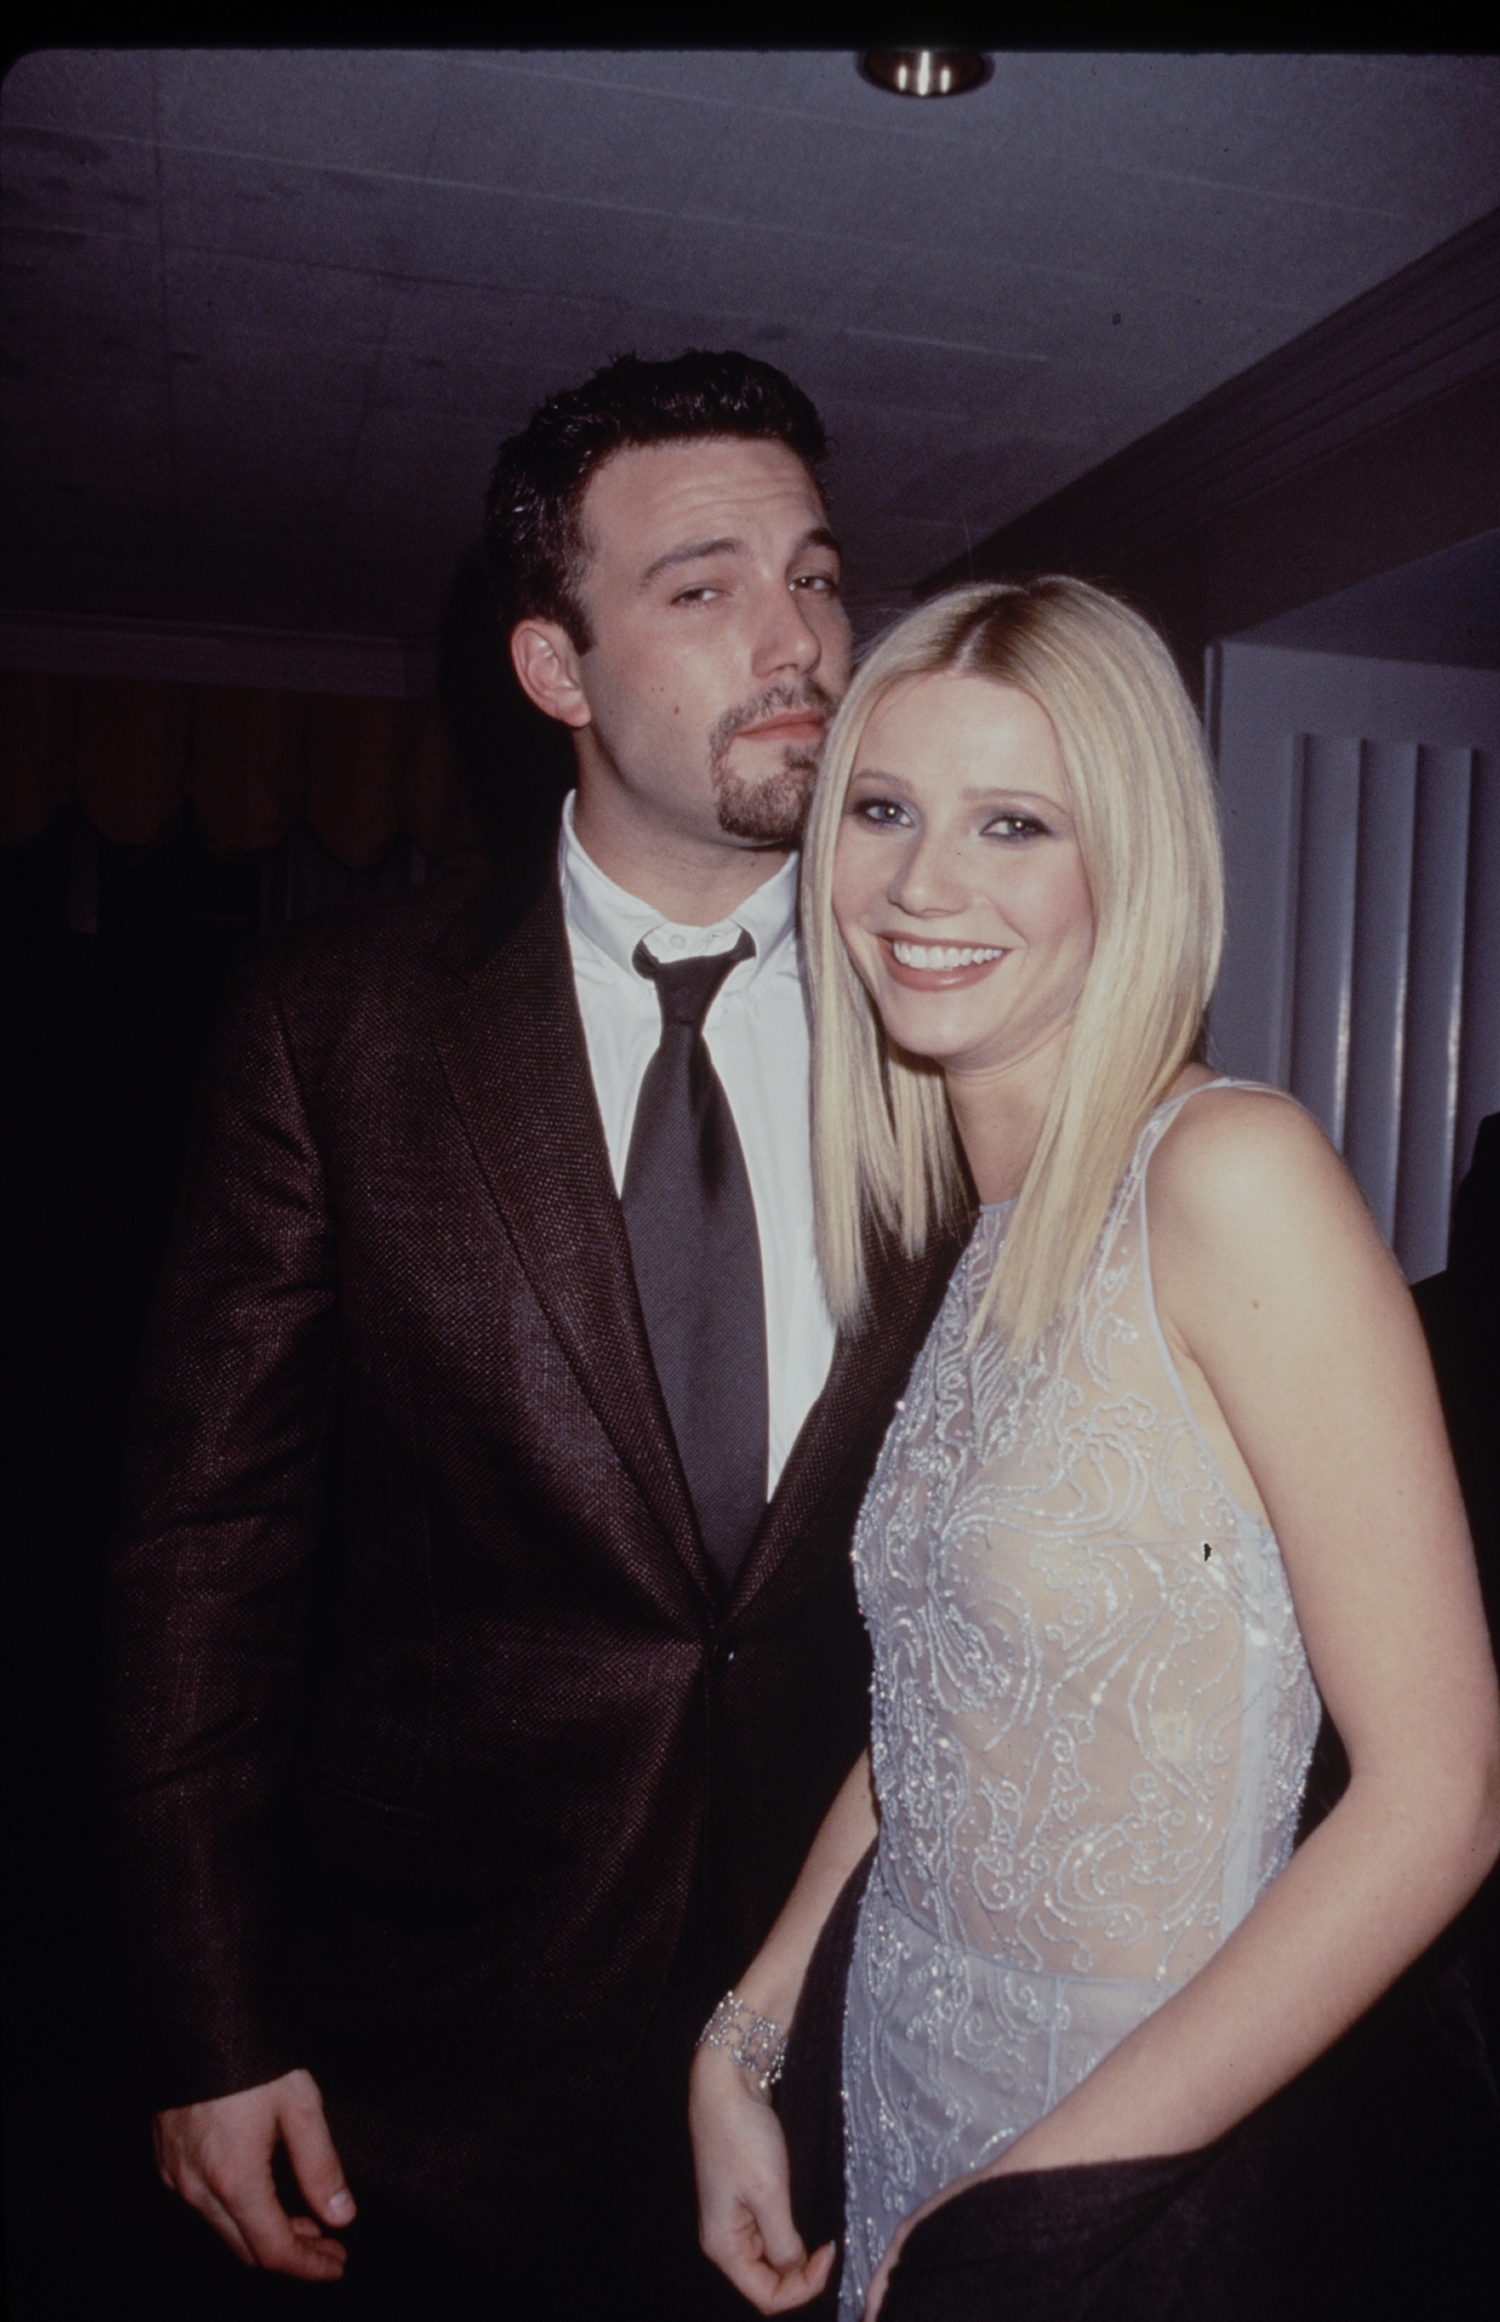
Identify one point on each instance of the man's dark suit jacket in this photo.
(429, 1718)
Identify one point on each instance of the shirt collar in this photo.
(615, 921)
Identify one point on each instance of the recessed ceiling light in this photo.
(925, 72)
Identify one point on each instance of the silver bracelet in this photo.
(754, 2043)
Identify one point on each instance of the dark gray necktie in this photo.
(691, 1221)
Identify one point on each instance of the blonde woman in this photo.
(1169, 1468)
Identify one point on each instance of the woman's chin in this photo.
(931, 1045)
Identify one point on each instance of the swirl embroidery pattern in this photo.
(1092, 1718)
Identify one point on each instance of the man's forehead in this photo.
(646, 499)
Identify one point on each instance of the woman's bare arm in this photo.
(744, 2201)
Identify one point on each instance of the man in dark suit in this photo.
(485, 1645)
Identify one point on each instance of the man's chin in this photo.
(772, 813)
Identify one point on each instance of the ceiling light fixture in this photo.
(925, 72)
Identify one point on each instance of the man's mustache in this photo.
(776, 701)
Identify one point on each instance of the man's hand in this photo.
(218, 2157)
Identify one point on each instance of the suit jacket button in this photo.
(723, 1655)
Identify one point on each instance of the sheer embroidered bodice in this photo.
(1092, 1721)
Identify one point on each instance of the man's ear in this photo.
(547, 663)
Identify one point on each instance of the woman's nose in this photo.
(929, 881)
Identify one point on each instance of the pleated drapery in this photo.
(249, 763)
(1361, 815)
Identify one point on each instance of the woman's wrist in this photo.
(772, 1983)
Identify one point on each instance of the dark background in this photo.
(1348, 456)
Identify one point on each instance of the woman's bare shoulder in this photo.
(1243, 1164)
(1231, 1133)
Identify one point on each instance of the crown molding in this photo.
(1412, 340)
(205, 653)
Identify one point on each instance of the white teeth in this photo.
(937, 956)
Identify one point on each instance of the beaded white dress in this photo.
(1092, 1721)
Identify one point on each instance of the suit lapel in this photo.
(508, 1033)
(868, 1371)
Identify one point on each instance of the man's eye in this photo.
(702, 595)
(822, 583)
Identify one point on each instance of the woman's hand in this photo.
(881, 2282)
(887, 2266)
(744, 2195)
(1012, 2162)
(739, 2153)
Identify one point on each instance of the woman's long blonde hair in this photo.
(884, 1144)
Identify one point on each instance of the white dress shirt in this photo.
(756, 1032)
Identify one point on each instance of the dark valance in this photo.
(359, 772)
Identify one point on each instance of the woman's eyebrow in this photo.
(985, 794)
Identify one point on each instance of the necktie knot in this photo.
(686, 987)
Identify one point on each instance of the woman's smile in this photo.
(937, 967)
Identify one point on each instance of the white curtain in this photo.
(1361, 809)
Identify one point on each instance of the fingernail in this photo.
(340, 2206)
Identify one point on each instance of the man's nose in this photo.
(787, 640)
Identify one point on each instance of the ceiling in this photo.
(267, 313)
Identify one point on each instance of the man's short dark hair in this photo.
(533, 533)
